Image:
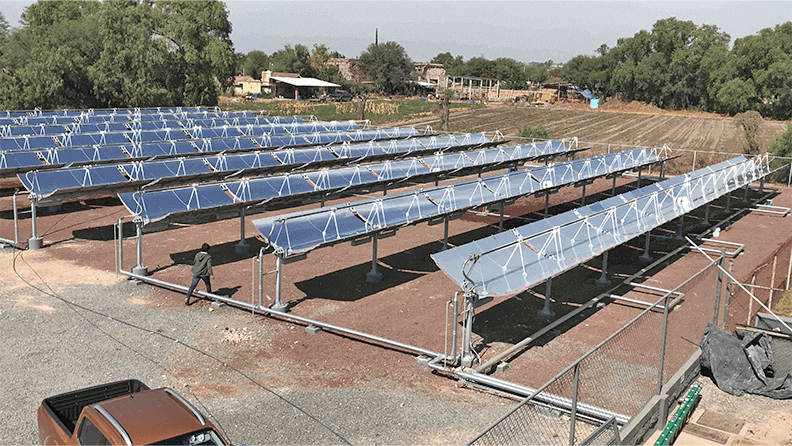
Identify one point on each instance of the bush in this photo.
(782, 146)
(538, 132)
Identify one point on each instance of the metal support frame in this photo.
(34, 242)
(706, 221)
(468, 357)
(739, 247)
(546, 313)
(613, 187)
(639, 178)
(445, 233)
(728, 202)
(242, 246)
(719, 286)
(374, 275)
(15, 241)
(573, 411)
(745, 198)
(278, 305)
(680, 230)
(547, 204)
(635, 301)
(500, 223)
(139, 269)
(646, 257)
(603, 280)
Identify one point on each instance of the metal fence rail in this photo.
(619, 375)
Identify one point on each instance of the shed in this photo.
(297, 87)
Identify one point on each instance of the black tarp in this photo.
(742, 362)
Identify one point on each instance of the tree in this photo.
(389, 65)
(5, 28)
(782, 147)
(451, 64)
(293, 60)
(750, 122)
(538, 132)
(253, 64)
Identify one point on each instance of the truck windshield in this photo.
(202, 437)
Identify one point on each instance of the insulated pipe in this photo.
(541, 396)
(269, 311)
(467, 354)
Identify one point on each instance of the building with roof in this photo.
(351, 70)
(292, 85)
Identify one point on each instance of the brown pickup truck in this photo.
(123, 413)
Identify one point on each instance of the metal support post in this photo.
(645, 257)
(547, 204)
(120, 230)
(745, 198)
(573, 410)
(374, 275)
(663, 345)
(261, 277)
(16, 222)
(761, 185)
(680, 231)
(139, 269)
(546, 313)
(613, 188)
(662, 170)
(455, 326)
(728, 202)
(583, 199)
(278, 305)
(500, 223)
(468, 358)
(719, 286)
(603, 280)
(728, 297)
(242, 246)
(706, 221)
(445, 233)
(639, 178)
(34, 242)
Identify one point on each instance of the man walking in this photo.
(201, 270)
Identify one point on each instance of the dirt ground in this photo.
(409, 305)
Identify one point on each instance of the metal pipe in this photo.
(634, 301)
(538, 395)
(271, 312)
(261, 277)
(16, 222)
(573, 411)
(663, 346)
(718, 287)
(645, 257)
(728, 297)
(500, 224)
(455, 328)
(120, 244)
(547, 204)
(743, 288)
(613, 188)
(653, 288)
(583, 198)
(373, 275)
(520, 345)
(706, 221)
(445, 233)
(603, 280)
(467, 354)
(278, 304)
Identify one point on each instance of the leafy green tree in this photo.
(253, 64)
(320, 54)
(749, 122)
(782, 147)
(538, 132)
(450, 63)
(295, 59)
(389, 65)
(5, 28)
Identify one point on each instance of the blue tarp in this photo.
(588, 94)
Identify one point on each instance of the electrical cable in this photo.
(73, 306)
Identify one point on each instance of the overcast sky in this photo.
(526, 30)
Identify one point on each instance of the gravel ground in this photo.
(65, 336)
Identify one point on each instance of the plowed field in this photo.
(602, 127)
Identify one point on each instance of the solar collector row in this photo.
(152, 206)
(302, 231)
(513, 261)
(12, 163)
(126, 176)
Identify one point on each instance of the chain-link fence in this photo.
(767, 282)
(614, 381)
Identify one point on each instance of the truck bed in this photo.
(66, 407)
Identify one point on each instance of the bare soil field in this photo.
(366, 393)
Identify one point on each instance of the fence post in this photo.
(728, 296)
(719, 286)
(573, 414)
(663, 347)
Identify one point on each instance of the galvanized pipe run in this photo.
(34, 242)
(540, 396)
(258, 308)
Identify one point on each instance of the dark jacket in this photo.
(202, 266)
